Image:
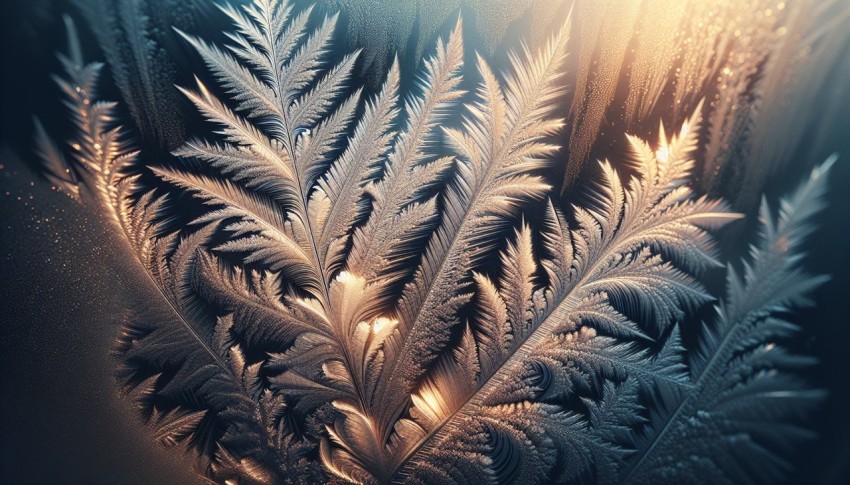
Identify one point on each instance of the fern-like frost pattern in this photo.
(326, 314)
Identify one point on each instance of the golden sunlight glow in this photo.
(429, 402)
(430, 397)
(658, 59)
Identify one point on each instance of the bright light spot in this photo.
(380, 323)
(345, 277)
